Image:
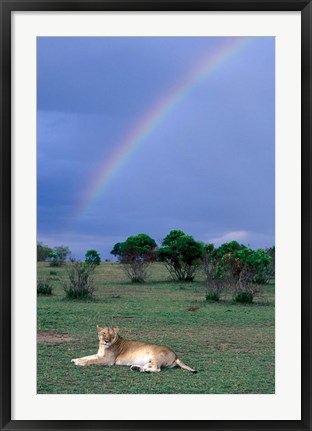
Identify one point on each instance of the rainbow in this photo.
(145, 126)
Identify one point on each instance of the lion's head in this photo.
(107, 336)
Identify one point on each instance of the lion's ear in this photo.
(116, 329)
(99, 328)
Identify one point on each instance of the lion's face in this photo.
(107, 336)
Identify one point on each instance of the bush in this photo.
(54, 260)
(181, 255)
(271, 253)
(245, 288)
(136, 254)
(213, 296)
(53, 272)
(44, 286)
(58, 255)
(218, 276)
(245, 296)
(43, 252)
(227, 253)
(80, 282)
(248, 269)
(245, 263)
(92, 257)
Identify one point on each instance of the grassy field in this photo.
(230, 345)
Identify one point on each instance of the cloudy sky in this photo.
(152, 134)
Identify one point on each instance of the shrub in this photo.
(254, 265)
(245, 296)
(218, 277)
(44, 286)
(53, 259)
(227, 254)
(237, 258)
(92, 257)
(58, 255)
(53, 272)
(79, 283)
(136, 254)
(248, 269)
(181, 255)
(43, 252)
(216, 287)
(213, 296)
(271, 253)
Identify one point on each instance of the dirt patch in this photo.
(53, 338)
(192, 308)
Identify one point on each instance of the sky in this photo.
(149, 134)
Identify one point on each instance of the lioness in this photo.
(115, 350)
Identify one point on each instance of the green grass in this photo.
(231, 345)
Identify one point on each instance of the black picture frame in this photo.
(7, 7)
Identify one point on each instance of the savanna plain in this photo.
(231, 345)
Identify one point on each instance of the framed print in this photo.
(156, 190)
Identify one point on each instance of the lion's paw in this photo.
(135, 368)
(78, 362)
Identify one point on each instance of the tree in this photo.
(116, 250)
(62, 251)
(226, 252)
(43, 252)
(136, 254)
(218, 276)
(92, 257)
(58, 255)
(254, 262)
(181, 255)
(260, 265)
(229, 247)
(252, 268)
(271, 253)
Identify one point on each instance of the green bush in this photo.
(72, 293)
(244, 262)
(44, 286)
(58, 255)
(79, 283)
(136, 254)
(218, 276)
(245, 297)
(271, 253)
(92, 257)
(43, 252)
(213, 296)
(248, 269)
(181, 255)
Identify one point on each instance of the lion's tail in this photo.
(182, 365)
